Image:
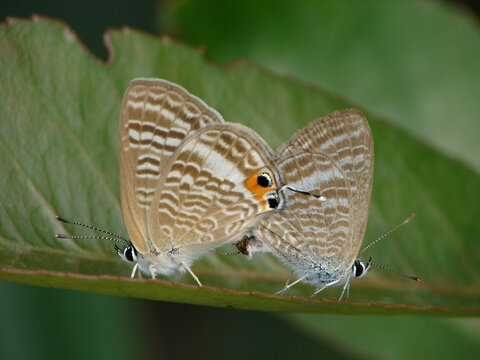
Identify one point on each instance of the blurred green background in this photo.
(414, 62)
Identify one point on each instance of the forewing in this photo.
(333, 158)
(209, 195)
(156, 116)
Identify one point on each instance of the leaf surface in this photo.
(58, 155)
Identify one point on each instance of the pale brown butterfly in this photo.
(189, 182)
(319, 237)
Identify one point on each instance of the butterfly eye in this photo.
(128, 252)
(358, 269)
(264, 180)
(273, 201)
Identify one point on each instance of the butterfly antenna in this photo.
(416, 278)
(63, 236)
(406, 221)
(112, 237)
(322, 198)
(215, 251)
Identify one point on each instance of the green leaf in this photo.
(415, 61)
(58, 155)
(396, 337)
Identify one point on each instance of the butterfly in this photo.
(189, 181)
(319, 236)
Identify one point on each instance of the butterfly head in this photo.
(153, 263)
(360, 267)
(128, 253)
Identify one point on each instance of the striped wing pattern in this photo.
(156, 116)
(332, 157)
(205, 199)
(188, 180)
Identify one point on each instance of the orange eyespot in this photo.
(259, 184)
(264, 179)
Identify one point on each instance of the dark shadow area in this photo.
(189, 332)
(89, 18)
(45, 323)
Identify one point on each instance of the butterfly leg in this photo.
(289, 278)
(191, 273)
(324, 287)
(286, 284)
(290, 285)
(134, 270)
(345, 287)
(151, 268)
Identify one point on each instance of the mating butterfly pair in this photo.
(191, 182)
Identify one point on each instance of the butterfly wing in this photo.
(156, 116)
(209, 194)
(333, 158)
